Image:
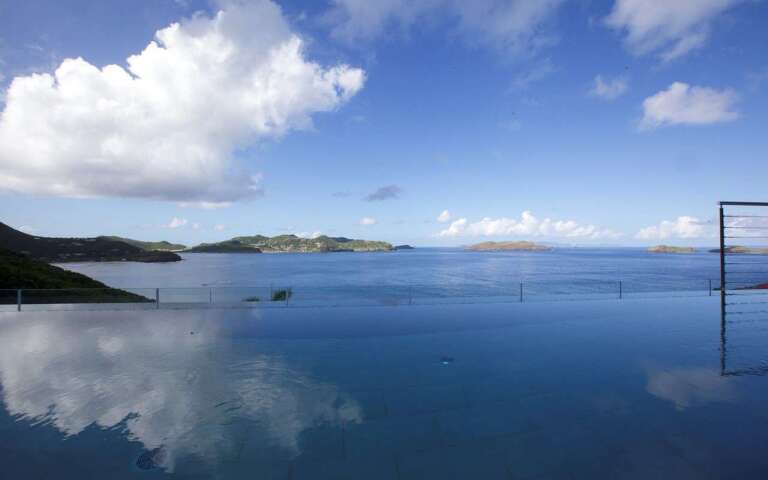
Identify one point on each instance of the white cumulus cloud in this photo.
(527, 225)
(682, 227)
(512, 25)
(365, 221)
(166, 125)
(683, 104)
(445, 216)
(609, 89)
(309, 234)
(668, 28)
(177, 222)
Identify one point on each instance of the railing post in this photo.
(157, 298)
(210, 295)
(621, 292)
(521, 292)
(288, 294)
(18, 300)
(722, 261)
(710, 287)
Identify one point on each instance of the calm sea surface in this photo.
(566, 270)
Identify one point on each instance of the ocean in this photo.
(425, 273)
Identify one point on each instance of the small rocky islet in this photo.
(671, 249)
(521, 246)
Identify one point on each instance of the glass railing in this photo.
(348, 295)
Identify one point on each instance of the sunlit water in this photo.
(598, 389)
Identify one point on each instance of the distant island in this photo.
(291, 243)
(60, 250)
(671, 249)
(509, 246)
(18, 271)
(738, 249)
(161, 246)
(403, 247)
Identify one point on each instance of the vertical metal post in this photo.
(621, 290)
(722, 260)
(710, 287)
(157, 298)
(210, 294)
(18, 300)
(521, 292)
(288, 295)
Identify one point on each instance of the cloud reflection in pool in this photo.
(180, 385)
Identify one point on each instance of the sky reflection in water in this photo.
(365, 391)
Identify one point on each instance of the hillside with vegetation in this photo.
(59, 250)
(161, 246)
(18, 271)
(291, 243)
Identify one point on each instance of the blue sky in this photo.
(586, 122)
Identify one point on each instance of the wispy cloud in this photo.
(514, 27)
(539, 71)
(609, 89)
(389, 192)
(367, 221)
(205, 205)
(669, 29)
(445, 216)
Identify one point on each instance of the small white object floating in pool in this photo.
(446, 360)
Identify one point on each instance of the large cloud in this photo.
(511, 25)
(528, 225)
(669, 28)
(683, 104)
(168, 125)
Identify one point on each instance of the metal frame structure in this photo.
(749, 232)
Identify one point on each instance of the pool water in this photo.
(602, 389)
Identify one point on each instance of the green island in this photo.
(161, 246)
(60, 250)
(739, 249)
(19, 271)
(523, 246)
(291, 243)
(671, 249)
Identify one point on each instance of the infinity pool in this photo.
(583, 390)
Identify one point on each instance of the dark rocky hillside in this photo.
(58, 250)
(49, 284)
